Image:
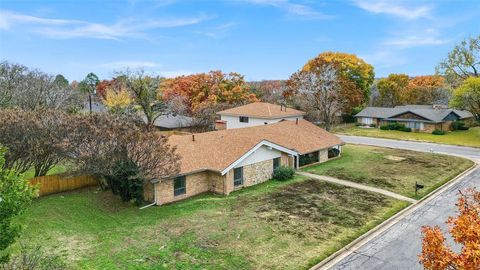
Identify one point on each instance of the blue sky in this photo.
(262, 39)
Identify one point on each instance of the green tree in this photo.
(89, 86)
(144, 92)
(351, 67)
(392, 90)
(467, 96)
(462, 62)
(60, 81)
(15, 195)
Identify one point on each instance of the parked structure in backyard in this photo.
(172, 122)
(227, 160)
(255, 114)
(417, 117)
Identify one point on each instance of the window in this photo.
(179, 186)
(276, 163)
(367, 120)
(238, 176)
(415, 125)
(243, 119)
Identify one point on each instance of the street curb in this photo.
(380, 228)
(407, 140)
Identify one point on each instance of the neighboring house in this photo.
(227, 160)
(172, 122)
(255, 114)
(417, 117)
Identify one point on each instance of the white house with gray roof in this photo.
(417, 117)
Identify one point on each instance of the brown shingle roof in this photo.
(262, 110)
(216, 150)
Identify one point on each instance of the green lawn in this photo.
(393, 169)
(274, 225)
(59, 168)
(469, 137)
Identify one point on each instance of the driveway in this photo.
(398, 246)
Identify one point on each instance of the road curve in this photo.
(398, 246)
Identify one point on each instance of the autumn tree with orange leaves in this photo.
(427, 90)
(208, 89)
(351, 68)
(465, 231)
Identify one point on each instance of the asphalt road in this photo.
(399, 246)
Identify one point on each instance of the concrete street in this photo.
(398, 247)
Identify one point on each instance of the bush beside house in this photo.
(438, 132)
(283, 173)
(395, 126)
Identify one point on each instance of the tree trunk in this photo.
(90, 102)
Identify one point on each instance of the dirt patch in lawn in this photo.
(317, 209)
(394, 158)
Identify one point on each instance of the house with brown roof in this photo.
(255, 114)
(227, 160)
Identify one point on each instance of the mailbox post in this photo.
(417, 187)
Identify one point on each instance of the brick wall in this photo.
(429, 127)
(195, 184)
(286, 160)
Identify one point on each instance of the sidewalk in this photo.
(358, 186)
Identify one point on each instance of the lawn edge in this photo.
(355, 244)
(408, 140)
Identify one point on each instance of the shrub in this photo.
(34, 258)
(384, 127)
(459, 125)
(283, 173)
(438, 132)
(358, 124)
(373, 125)
(406, 129)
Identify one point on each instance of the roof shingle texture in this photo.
(262, 110)
(216, 150)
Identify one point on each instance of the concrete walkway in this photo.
(397, 244)
(358, 186)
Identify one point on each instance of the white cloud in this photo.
(65, 29)
(428, 37)
(297, 10)
(415, 41)
(218, 31)
(383, 58)
(394, 8)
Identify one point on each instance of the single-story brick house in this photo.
(424, 118)
(256, 114)
(227, 160)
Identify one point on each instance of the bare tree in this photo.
(320, 91)
(35, 139)
(28, 89)
(99, 142)
(10, 78)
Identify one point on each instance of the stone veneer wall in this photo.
(322, 155)
(257, 172)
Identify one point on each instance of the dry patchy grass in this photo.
(275, 225)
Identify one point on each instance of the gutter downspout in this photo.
(154, 197)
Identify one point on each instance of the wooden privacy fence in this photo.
(58, 183)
